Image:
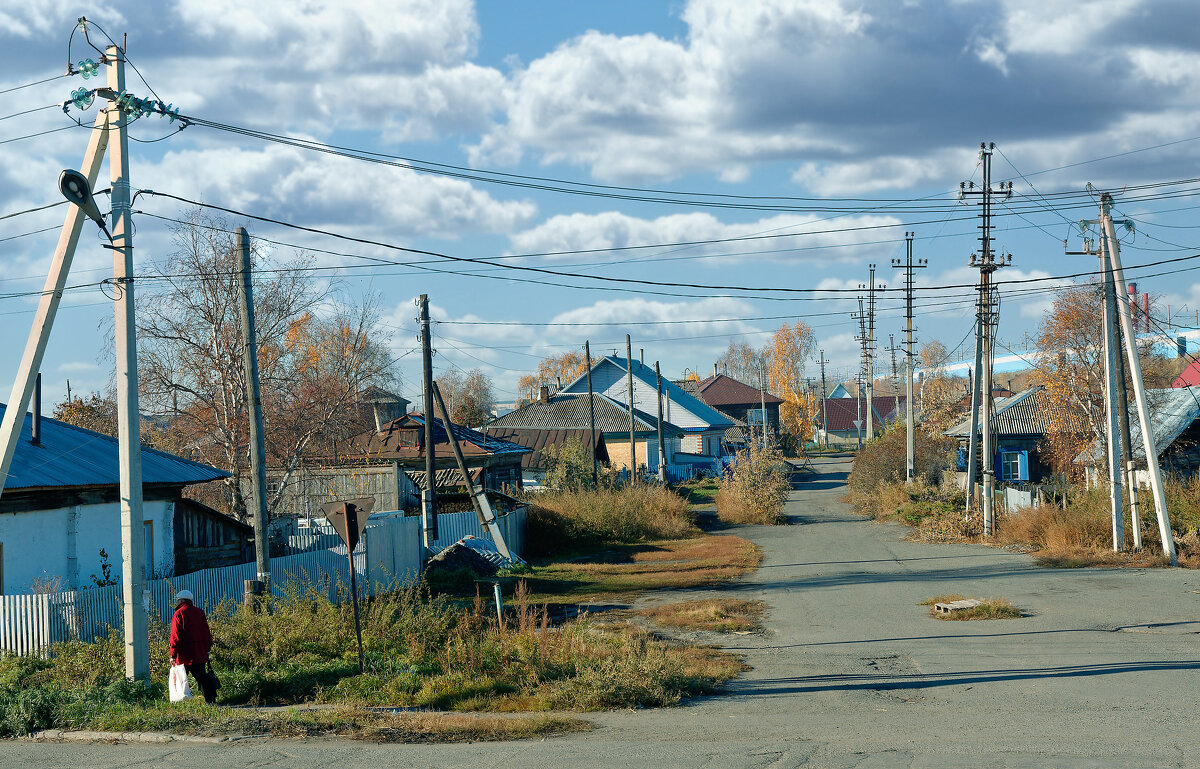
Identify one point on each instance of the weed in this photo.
(989, 608)
(755, 488)
(567, 521)
(722, 615)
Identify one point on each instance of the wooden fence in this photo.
(389, 555)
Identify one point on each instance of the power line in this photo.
(36, 82)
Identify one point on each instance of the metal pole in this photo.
(1110, 404)
(662, 445)
(1139, 388)
(629, 378)
(430, 512)
(258, 451)
(587, 354)
(352, 526)
(133, 550)
(47, 309)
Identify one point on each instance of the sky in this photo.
(755, 150)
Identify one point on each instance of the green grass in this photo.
(700, 491)
(989, 608)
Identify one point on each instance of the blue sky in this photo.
(855, 107)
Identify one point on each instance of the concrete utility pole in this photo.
(986, 323)
(869, 345)
(429, 522)
(824, 398)
(587, 356)
(662, 445)
(762, 396)
(864, 367)
(1113, 249)
(629, 379)
(891, 348)
(129, 435)
(258, 451)
(909, 354)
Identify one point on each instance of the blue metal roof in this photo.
(72, 456)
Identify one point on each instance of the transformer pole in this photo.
(987, 262)
(909, 265)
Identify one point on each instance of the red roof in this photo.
(721, 390)
(1190, 375)
(842, 412)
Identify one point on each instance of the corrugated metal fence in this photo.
(389, 555)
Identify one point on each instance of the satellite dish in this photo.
(76, 189)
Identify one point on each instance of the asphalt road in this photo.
(853, 673)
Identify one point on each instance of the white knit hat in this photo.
(182, 594)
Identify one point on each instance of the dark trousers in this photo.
(204, 681)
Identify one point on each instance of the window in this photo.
(754, 416)
(1014, 465)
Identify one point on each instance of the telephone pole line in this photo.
(986, 321)
(824, 397)
(909, 355)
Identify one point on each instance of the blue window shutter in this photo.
(1023, 463)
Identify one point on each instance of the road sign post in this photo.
(348, 519)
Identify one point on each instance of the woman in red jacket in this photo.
(191, 641)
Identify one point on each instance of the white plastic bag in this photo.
(180, 690)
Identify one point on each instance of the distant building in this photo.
(737, 400)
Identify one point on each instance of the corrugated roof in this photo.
(677, 394)
(72, 456)
(403, 438)
(569, 411)
(1171, 412)
(842, 412)
(539, 440)
(721, 390)
(1020, 414)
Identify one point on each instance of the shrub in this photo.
(755, 488)
(885, 460)
(569, 465)
(567, 520)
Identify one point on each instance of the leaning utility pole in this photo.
(429, 522)
(986, 322)
(1113, 250)
(909, 265)
(824, 398)
(629, 379)
(587, 356)
(258, 451)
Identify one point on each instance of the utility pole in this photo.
(864, 366)
(869, 357)
(629, 380)
(258, 451)
(587, 355)
(429, 522)
(909, 354)
(1113, 249)
(891, 348)
(662, 446)
(986, 322)
(1129, 466)
(824, 398)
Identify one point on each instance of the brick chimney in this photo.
(544, 394)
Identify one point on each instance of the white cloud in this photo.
(783, 237)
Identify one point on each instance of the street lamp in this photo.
(75, 188)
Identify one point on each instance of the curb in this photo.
(69, 735)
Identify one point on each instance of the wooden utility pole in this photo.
(1112, 418)
(1113, 249)
(662, 445)
(909, 354)
(629, 379)
(1129, 466)
(762, 396)
(429, 522)
(258, 451)
(587, 355)
(986, 323)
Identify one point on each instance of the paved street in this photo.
(852, 673)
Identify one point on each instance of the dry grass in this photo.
(568, 521)
(721, 615)
(625, 569)
(990, 608)
(375, 725)
(755, 488)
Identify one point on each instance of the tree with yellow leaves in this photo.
(790, 348)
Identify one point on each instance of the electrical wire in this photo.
(30, 111)
(36, 82)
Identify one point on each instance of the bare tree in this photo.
(313, 360)
(469, 396)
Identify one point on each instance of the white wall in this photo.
(36, 544)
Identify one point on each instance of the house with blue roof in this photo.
(60, 512)
(702, 426)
